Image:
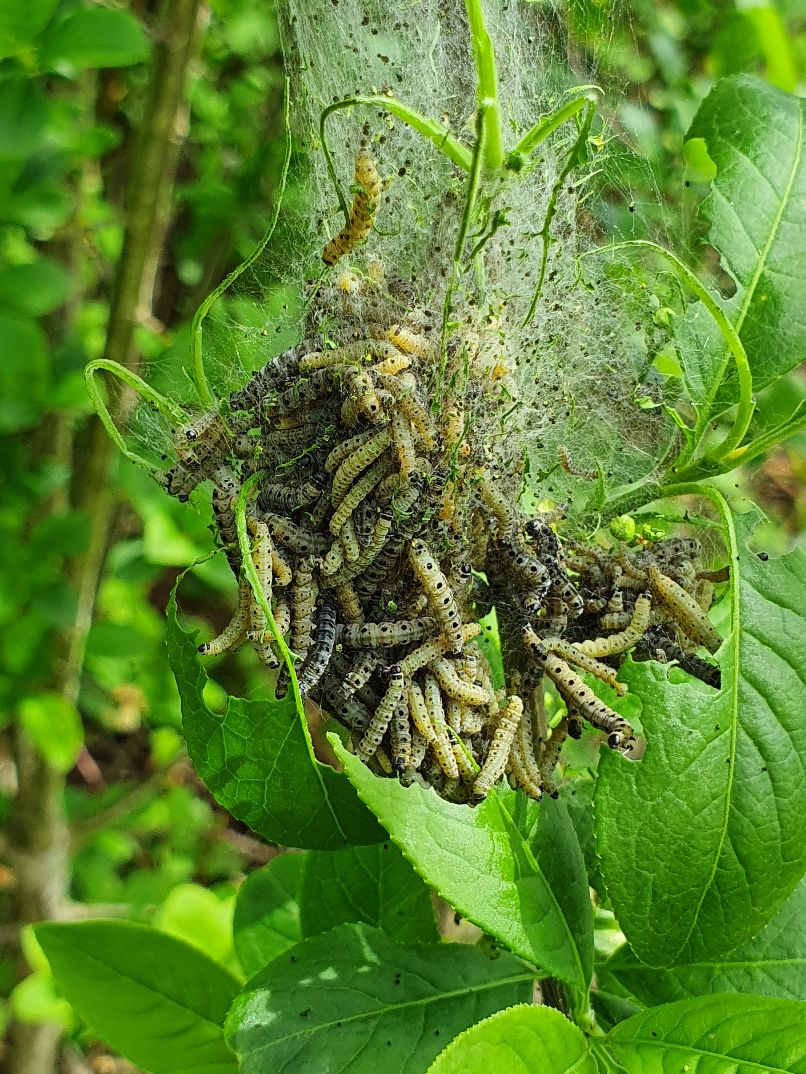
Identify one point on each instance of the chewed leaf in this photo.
(703, 841)
(756, 212)
(483, 864)
(351, 1001)
(258, 762)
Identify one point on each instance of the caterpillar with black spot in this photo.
(362, 212)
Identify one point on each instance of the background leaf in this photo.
(702, 841)
(770, 964)
(756, 213)
(375, 885)
(94, 37)
(352, 1002)
(522, 1040)
(721, 1034)
(54, 726)
(156, 1000)
(258, 762)
(481, 863)
(266, 921)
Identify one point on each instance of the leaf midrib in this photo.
(408, 1005)
(750, 289)
(656, 1042)
(735, 644)
(155, 992)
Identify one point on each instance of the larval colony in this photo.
(384, 525)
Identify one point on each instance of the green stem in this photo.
(250, 572)
(547, 125)
(745, 407)
(199, 375)
(173, 413)
(487, 85)
(551, 208)
(435, 132)
(473, 185)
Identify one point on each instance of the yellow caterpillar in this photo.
(362, 211)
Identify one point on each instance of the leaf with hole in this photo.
(482, 863)
(756, 215)
(702, 841)
(258, 762)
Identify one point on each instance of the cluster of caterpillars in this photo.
(382, 526)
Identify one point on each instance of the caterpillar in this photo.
(304, 591)
(496, 503)
(453, 719)
(359, 460)
(407, 341)
(432, 650)
(573, 655)
(455, 686)
(380, 635)
(390, 367)
(382, 716)
(358, 492)
(261, 557)
(349, 541)
(576, 693)
(360, 672)
(576, 471)
(495, 762)
(346, 448)
(319, 655)
(621, 642)
(362, 212)
(287, 498)
(235, 631)
(439, 593)
(348, 602)
(297, 539)
(404, 445)
(367, 555)
(400, 735)
(428, 715)
(550, 754)
(684, 609)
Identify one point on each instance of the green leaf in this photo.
(154, 999)
(21, 23)
(34, 290)
(258, 762)
(756, 212)
(721, 1034)
(197, 916)
(375, 885)
(23, 373)
(773, 963)
(352, 1002)
(480, 862)
(266, 921)
(94, 37)
(54, 726)
(702, 841)
(522, 1040)
(23, 118)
